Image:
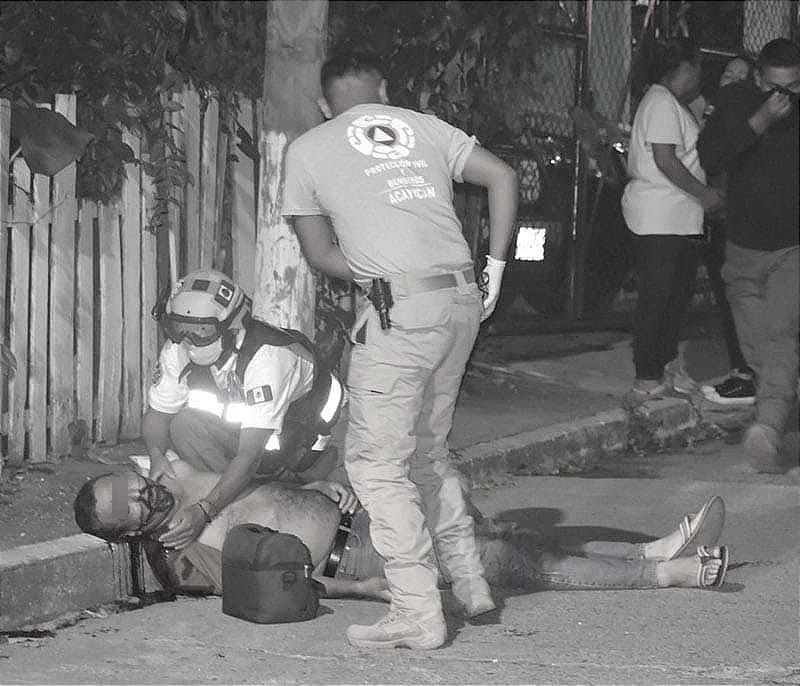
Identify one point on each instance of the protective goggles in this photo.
(199, 332)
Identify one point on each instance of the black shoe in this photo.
(737, 389)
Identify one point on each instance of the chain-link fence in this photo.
(765, 20)
(572, 254)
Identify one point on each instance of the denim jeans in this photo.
(763, 292)
(359, 558)
(519, 558)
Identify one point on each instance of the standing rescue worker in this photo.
(233, 395)
(383, 175)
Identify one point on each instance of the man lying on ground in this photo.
(126, 506)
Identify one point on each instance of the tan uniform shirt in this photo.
(401, 218)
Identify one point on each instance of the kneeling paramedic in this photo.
(233, 395)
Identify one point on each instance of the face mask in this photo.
(205, 355)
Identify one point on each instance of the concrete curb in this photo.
(570, 447)
(44, 581)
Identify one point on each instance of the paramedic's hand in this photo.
(492, 278)
(338, 493)
(185, 528)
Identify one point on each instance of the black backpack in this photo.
(266, 576)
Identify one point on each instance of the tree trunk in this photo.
(296, 31)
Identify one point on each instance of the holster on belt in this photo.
(380, 295)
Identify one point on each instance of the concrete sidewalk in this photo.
(553, 415)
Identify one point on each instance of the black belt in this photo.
(335, 556)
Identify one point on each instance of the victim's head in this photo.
(119, 506)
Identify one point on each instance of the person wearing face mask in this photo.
(752, 135)
(233, 394)
(739, 387)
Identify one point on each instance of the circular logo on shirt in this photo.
(381, 136)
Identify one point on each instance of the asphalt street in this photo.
(746, 632)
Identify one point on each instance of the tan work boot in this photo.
(398, 630)
(474, 594)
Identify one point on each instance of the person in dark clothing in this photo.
(752, 135)
(739, 387)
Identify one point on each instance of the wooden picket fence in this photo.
(78, 280)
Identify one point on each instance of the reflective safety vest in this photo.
(308, 421)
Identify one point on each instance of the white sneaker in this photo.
(398, 630)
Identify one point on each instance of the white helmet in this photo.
(202, 307)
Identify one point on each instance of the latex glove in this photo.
(492, 278)
(185, 528)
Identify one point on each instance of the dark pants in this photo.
(713, 255)
(667, 268)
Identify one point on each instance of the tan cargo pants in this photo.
(403, 385)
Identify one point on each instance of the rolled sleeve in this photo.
(167, 393)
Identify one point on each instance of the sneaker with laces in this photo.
(677, 378)
(399, 630)
(738, 389)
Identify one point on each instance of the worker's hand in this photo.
(160, 467)
(338, 493)
(492, 277)
(185, 528)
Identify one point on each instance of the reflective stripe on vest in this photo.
(233, 412)
(206, 401)
(328, 411)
